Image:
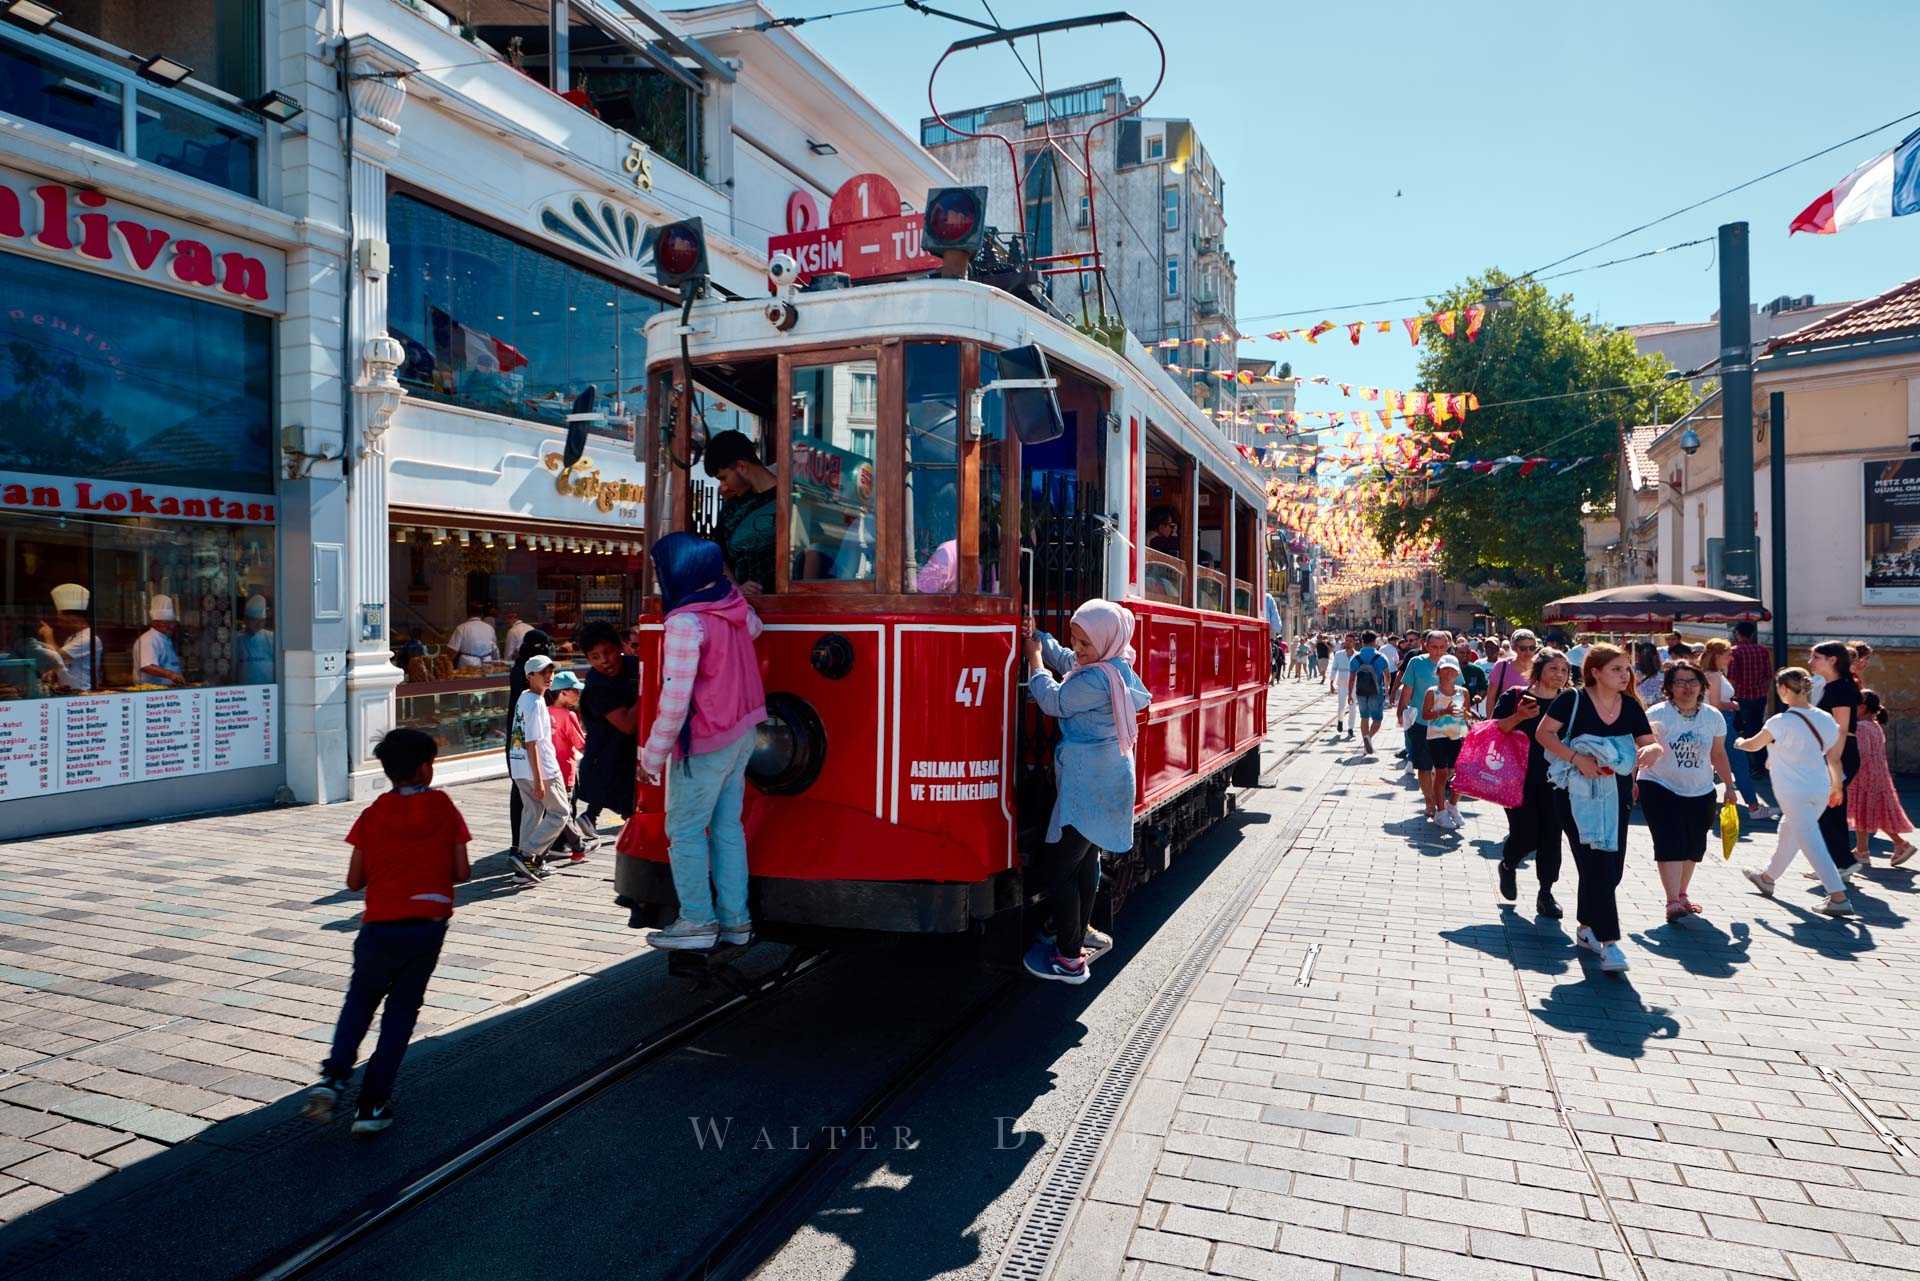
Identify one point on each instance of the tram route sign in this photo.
(865, 235)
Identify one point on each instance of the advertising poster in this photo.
(1892, 546)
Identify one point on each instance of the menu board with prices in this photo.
(26, 766)
(94, 739)
(171, 736)
(54, 745)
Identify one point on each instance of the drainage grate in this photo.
(1305, 976)
(1030, 1253)
(1885, 1133)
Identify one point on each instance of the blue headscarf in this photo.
(691, 569)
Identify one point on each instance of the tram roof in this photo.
(964, 310)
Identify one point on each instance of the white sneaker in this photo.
(1450, 819)
(1453, 812)
(1612, 959)
(1586, 938)
(684, 936)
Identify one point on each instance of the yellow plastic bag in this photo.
(1729, 829)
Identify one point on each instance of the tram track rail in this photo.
(756, 1234)
(387, 1209)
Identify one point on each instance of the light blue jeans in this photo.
(707, 845)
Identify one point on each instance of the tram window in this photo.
(832, 418)
(932, 512)
(993, 440)
(1210, 580)
(1246, 562)
(1166, 555)
(733, 498)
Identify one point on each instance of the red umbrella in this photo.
(1653, 606)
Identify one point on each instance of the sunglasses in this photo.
(1525, 649)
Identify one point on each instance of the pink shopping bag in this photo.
(1493, 765)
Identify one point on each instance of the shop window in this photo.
(114, 381)
(604, 75)
(932, 467)
(79, 597)
(50, 83)
(464, 598)
(220, 39)
(832, 481)
(495, 325)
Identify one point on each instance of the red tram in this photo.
(929, 490)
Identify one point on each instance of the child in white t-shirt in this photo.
(534, 766)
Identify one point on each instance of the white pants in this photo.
(1344, 716)
(1800, 834)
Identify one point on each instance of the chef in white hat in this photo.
(253, 647)
(79, 651)
(155, 660)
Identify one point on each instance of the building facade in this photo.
(1695, 344)
(297, 391)
(1851, 384)
(1152, 194)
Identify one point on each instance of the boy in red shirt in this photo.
(409, 848)
(569, 741)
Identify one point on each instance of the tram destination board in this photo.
(865, 235)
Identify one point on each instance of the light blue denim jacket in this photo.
(1595, 801)
(1095, 779)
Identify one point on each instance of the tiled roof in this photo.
(1896, 311)
(1641, 471)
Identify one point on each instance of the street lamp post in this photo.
(1738, 572)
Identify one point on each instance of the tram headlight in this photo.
(679, 253)
(790, 747)
(955, 224)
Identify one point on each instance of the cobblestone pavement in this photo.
(159, 979)
(1386, 1073)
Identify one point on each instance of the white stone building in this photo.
(1151, 192)
(318, 368)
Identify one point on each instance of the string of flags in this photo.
(1494, 466)
(1461, 322)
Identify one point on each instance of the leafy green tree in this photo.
(1539, 369)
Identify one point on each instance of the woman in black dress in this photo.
(1832, 661)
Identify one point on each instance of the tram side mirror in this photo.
(1026, 389)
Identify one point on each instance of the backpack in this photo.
(1366, 679)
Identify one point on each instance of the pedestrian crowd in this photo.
(1570, 739)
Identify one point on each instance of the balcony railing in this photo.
(48, 83)
(1204, 306)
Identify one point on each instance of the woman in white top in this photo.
(1676, 791)
(1803, 752)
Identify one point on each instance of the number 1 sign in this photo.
(866, 236)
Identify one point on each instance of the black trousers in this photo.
(1533, 827)
(1833, 824)
(1068, 870)
(392, 961)
(1600, 870)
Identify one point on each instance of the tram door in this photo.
(1063, 562)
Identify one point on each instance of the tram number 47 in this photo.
(971, 691)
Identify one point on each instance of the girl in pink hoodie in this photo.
(711, 701)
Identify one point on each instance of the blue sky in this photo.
(1516, 133)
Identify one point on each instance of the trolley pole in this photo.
(1777, 487)
(1739, 570)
